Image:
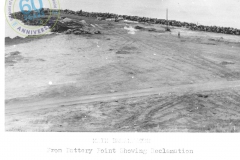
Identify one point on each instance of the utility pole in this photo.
(167, 19)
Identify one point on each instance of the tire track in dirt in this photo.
(192, 88)
(222, 100)
(193, 59)
(188, 58)
(145, 46)
(138, 69)
(150, 112)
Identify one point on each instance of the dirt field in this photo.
(124, 80)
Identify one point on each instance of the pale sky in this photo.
(207, 12)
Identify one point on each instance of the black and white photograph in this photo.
(122, 66)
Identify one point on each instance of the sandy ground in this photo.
(58, 68)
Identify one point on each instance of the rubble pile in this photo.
(78, 31)
(147, 29)
(69, 26)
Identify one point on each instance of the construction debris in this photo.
(69, 26)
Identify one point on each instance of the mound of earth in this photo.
(69, 26)
(147, 29)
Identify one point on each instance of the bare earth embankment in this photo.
(124, 80)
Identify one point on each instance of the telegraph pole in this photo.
(167, 19)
